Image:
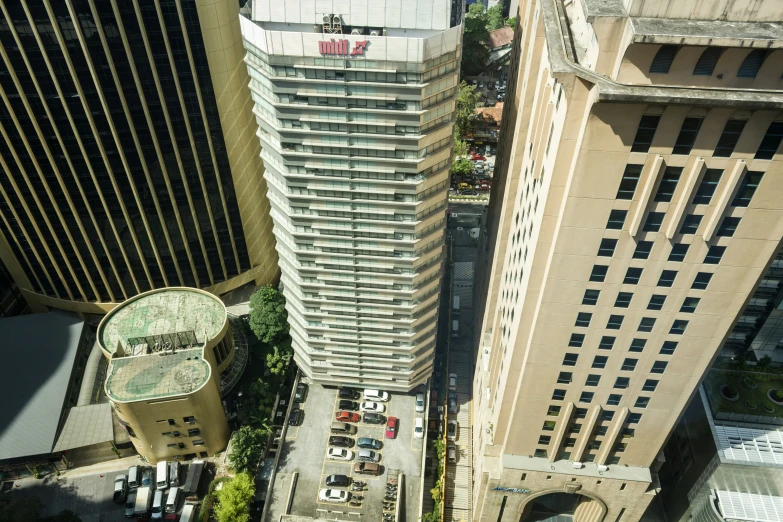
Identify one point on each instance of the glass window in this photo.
(614, 399)
(634, 418)
(646, 324)
(607, 415)
(558, 395)
(544, 439)
(729, 138)
(707, 61)
(656, 302)
(629, 181)
(667, 278)
(623, 300)
(690, 224)
(616, 219)
(570, 359)
(637, 345)
(714, 255)
(709, 182)
(599, 273)
(590, 297)
(607, 342)
(580, 413)
(650, 385)
(668, 184)
(663, 59)
(629, 365)
(622, 383)
(632, 275)
(549, 426)
(659, 367)
(541, 453)
(615, 322)
(728, 226)
(643, 249)
(645, 133)
(653, 222)
(574, 428)
(668, 347)
(689, 305)
(679, 250)
(586, 397)
(678, 327)
(752, 63)
(576, 340)
(583, 319)
(771, 141)
(593, 380)
(687, 137)
(642, 402)
(701, 281)
(750, 182)
(553, 411)
(606, 249)
(599, 362)
(564, 378)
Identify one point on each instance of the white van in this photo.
(455, 328)
(133, 477)
(172, 499)
(157, 505)
(188, 513)
(162, 475)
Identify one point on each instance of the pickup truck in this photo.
(120, 488)
(143, 501)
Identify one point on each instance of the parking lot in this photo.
(305, 452)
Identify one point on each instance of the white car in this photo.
(453, 430)
(418, 428)
(333, 495)
(372, 407)
(452, 381)
(420, 396)
(376, 395)
(340, 454)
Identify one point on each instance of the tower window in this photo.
(663, 59)
(687, 137)
(752, 63)
(707, 61)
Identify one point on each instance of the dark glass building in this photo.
(127, 154)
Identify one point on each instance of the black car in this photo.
(338, 480)
(341, 442)
(301, 392)
(348, 405)
(349, 393)
(368, 443)
(296, 417)
(374, 418)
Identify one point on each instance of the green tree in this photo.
(511, 22)
(268, 317)
(246, 448)
(495, 17)
(462, 167)
(259, 403)
(475, 52)
(466, 109)
(460, 147)
(234, 498)
(277, 360)
(764, 362)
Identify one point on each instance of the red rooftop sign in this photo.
(342, 47)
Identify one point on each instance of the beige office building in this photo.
(128, 158)
(637, 206)
(167, 349)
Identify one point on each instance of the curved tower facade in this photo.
(355, 114)
(127, 155)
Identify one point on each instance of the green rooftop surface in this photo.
(155, 376)
(163, 312)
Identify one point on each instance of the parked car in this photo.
(174, 474)
(478, 157)
(481, 84)
(391, 427)
(130, 505)
(339, 454)
(453, 429)
(300, 395)
(134, 476)
(451, 453)
(338, 480)
(490, 85)
(347, 416)
(367, 468)
(469, 193)
(333, 495)
(348, 393)
(366, 455)
(374, 407)
(343, 442)
(501, 97)
(374, 418)
(452, 381)
(120, 488)
(368, 443)
(418, 428)
(348, 405)
(376, 395)
(420, 402)
(158, 505)
(296, 417)
(453, 404)
(147, 478)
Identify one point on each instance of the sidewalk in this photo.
(102, 467)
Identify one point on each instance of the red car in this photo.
(478, 157)
(391, 428)
(347, 416)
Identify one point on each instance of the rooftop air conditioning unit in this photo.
(336, 20)
(578, 465)
(603, 468)
(375, 32)
(356, 31)
(327, 19)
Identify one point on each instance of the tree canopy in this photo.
(466, 109)
(277, 360)
(475, 52)
(268, 316)
(246, 448)
(234, 498)
(495, 17)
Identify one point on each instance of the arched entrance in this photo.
(558, 506)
